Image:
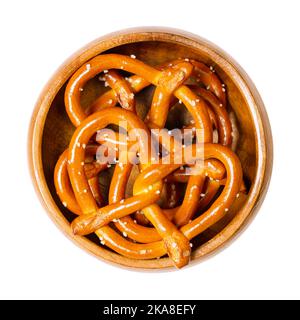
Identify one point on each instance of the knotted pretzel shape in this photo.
(76, 172)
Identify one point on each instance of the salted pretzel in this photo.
(211, 81)
(173, 227)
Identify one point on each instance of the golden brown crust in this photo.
(172, 227)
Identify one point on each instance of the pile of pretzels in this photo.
(167, 208)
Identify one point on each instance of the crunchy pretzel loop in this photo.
(154, 220)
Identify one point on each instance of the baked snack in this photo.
(139, 226)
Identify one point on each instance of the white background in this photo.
(37, 261)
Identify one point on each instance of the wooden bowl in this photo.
(51, 130)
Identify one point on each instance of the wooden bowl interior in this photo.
(58, 128)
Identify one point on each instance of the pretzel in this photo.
(138, 83)
(202, 72)
(77, 183)
(166, 74)
(165, 86)
(73, 106)
(221, 121)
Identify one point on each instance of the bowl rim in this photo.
(263, 141)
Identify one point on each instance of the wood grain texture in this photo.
(50, 132)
